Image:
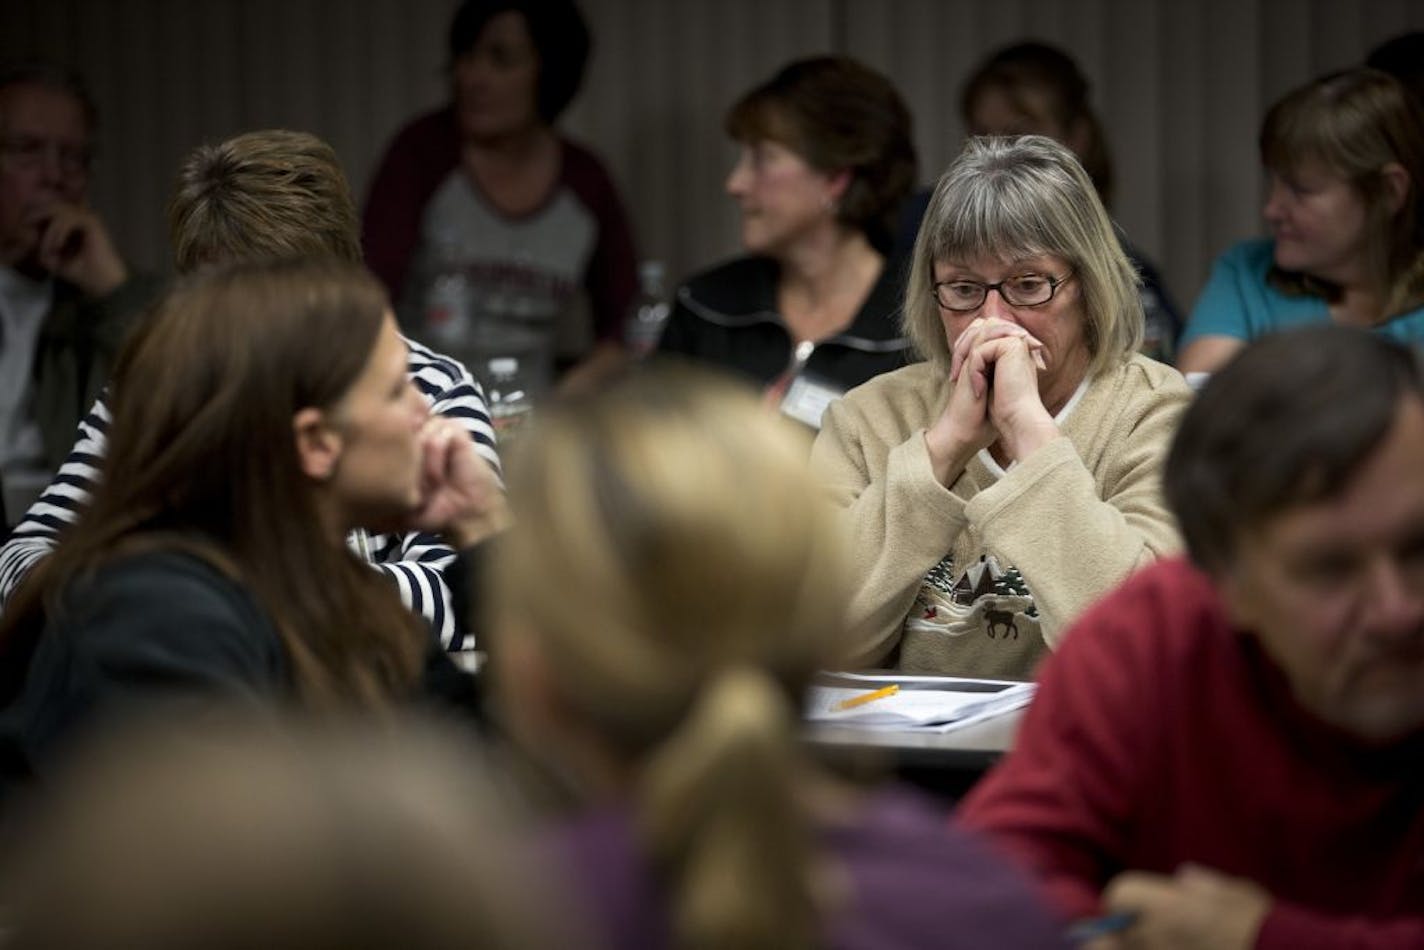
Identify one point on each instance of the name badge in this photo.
(807, 397)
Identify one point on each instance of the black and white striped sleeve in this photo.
(59, 505)
(416, 561)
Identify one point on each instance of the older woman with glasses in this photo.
(1002, 484)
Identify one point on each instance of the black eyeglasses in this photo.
(1025, 290)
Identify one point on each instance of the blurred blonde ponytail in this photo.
(721, 820)
(682, 577)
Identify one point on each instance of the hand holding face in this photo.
(994, 367)
(1015, 405)
(75, 246)
(1194, 909)
(460, 494)
(962, 429)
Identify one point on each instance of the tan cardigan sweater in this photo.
(981, 578)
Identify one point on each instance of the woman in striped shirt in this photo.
(264, 194)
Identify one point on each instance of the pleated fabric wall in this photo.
(1181, 86)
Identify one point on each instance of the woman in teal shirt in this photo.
(1345, 154)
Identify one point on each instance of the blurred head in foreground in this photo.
(674, 580)
(276, 835)
(1295, 478)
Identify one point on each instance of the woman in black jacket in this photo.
(814, 309)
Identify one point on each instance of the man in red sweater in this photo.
(1229, 753)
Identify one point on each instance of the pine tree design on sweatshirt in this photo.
(984, 599)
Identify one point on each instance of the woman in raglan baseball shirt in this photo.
(486, 224)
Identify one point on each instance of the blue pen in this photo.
(1091, 928)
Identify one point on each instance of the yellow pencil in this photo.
(871, 696)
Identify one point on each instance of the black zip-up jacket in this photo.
(727, 316)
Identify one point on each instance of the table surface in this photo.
(970, 748)
(974, 745)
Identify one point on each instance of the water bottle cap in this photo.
(650, 277)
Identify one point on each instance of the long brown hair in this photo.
(202, 459)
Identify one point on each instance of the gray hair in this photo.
(1022, 197)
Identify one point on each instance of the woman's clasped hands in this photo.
(994, 397)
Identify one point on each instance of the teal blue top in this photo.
(1238, 302)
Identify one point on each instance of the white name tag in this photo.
(806, 399)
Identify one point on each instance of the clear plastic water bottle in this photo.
(446, 302)
(447, 310)
(509, 398)
(648, 313)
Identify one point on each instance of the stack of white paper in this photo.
(923, 703)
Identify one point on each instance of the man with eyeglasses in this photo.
(66, 296)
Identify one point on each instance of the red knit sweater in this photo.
(1161, 735)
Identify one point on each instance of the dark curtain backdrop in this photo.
(1181, 86)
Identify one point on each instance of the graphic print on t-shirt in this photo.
(487, 286)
